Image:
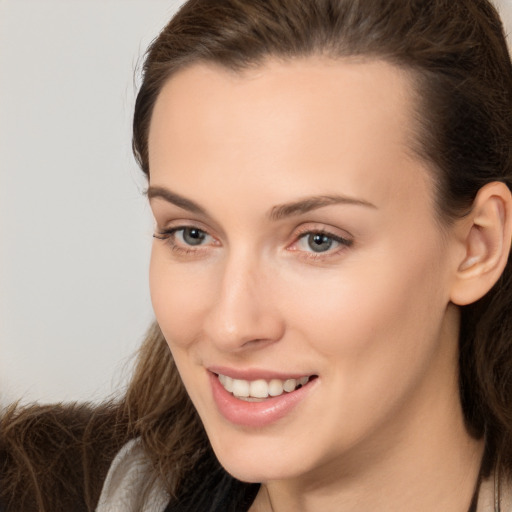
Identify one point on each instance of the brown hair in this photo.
(456, 52)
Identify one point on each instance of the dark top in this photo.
(218, 491)
(230, 499)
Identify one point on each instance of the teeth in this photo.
(240, 388)
(229, 384)
(289, 385)
(275, 387)
(303, 381)
(260, 388)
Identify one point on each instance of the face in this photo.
(299, 272)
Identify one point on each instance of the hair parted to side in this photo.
(456, 54)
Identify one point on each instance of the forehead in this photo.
(309, 120)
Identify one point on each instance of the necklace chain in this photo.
(497, 490)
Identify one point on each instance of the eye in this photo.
(185, 238)
(317, 243)
(191, 236)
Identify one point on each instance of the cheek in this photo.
(376, 316)
(178, 299)
(177, 295)
(377, 334)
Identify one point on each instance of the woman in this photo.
(330, 181)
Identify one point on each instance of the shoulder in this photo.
(131, 484)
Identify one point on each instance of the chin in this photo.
(259, 459)
(255, 471)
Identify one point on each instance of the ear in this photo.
(486, 237)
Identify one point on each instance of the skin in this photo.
(373, 318)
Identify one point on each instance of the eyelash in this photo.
(344, 243)
(168, 237)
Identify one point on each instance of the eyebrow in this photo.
(276, 213)
(313, 203)
(176, 199)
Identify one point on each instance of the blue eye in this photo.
(191, 236)
(185, 237)
(319, 242)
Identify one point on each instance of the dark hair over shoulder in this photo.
(55, 457)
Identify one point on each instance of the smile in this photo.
(256, 390)
(262, 400)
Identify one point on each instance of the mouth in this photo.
(262, 398)
(260, 389)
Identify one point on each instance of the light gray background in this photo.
(75, 230)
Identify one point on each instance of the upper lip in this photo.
(257, 373)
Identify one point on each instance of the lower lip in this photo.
(256, 414)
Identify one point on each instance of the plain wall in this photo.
(75, 230)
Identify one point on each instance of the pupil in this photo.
(193, 236)
(319, 243)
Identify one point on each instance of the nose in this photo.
(244, 313)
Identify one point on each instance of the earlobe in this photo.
(487, 239)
